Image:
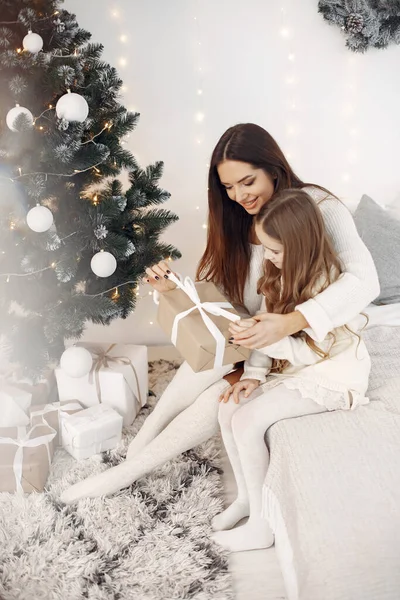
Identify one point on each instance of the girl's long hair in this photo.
(226, 259)
(309, 262)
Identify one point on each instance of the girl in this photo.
(306, 377)
(247, 169)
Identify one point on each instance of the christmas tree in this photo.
(74, 246)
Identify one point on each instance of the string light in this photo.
(12, 225)
(19, 50)
(116, 295)
(290, 79)
(95, 200)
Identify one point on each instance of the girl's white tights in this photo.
(243, 428)
(186, 415)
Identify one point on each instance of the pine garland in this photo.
(365, 23)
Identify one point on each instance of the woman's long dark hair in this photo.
(226, 259)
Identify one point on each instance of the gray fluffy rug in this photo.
(149, 542)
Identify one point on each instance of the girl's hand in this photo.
(268, 329)
(241, 326)
(246, 385)
(157, 277)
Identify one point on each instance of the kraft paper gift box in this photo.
(119, 378)
(53, 414)
(25, 462)
(91, 431)
(185, 315)
(14, 405)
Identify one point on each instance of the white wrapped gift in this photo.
(14, 404)
(119, 379)
(91, 431)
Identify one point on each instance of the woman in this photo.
(247, 169)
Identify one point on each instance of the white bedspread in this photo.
(332, 493)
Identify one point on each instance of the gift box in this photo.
(14, 405)
(42, 392)
(119, 379)
(52, 415)
(91, 431)
(196, 317)
(25, 461)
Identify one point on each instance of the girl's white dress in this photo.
(338, 382)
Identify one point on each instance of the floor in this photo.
(256, 574)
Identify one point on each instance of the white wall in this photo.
(276, 63)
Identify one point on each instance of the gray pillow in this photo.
(380, 232)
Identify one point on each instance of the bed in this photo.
(332, 492)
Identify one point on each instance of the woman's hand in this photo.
(246, 385)
(266, 329)
(157, 277)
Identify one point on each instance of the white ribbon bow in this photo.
(62, 411)
(214, 308)
(27, 442)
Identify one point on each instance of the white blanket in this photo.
(332, 493)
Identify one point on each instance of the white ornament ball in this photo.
(76, 361)
(32, 42)
(14, 113)
(103, 264)
(72, 107)
(39, 219)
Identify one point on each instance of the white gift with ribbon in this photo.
(119, 378)
(91, 431)
(28, 442)
(215, 308)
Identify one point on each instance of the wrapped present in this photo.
(119, 379)
(43, 391)
(14, 405)
(91, 431)
(196, 317)
(25, 461)
(52, 414)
